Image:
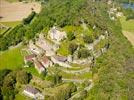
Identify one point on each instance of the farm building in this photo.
(39, 66)
(29, 58)
(34, 49)
(45, 45)
(61, 60)
(45, 62)
(56, 34)
(33, 93)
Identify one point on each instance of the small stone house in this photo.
(57, 35)
(34, 49)
(45, 45)
(61, 60)
(29, 58)
(45, 62)
(33, 93)
(40, 68)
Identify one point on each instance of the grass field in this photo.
(2, 31)
(127, 25)
(20, 97)
(33, 71)
(63, 50)
(128, 29)
(129, 36)
(11, 59)
(86, 75)
(11, 24)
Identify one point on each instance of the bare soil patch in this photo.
(17, 11)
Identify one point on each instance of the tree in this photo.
(3, 73)
(10, 80)
(3, 44)
(63, 91)
(30, 64)
(83, 53)
(22, 77)
(70, 36)
(88, 39)
(8, 88)
(56, 78)
(72, 48)
(83, 95)
(43, 74)
(29, 18)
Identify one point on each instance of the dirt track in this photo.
(130, 36)
(16, 11)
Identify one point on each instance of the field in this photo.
(33, 71)
(11, 59)
(63, 50)
(130, 36)
(11, 23)
(127, 25)
(128, 29)
(20, 97)
(16, 11)
(2, 31)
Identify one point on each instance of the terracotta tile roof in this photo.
(30, 57)
(38, 64)
(44, 59)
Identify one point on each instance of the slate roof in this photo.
(31, 90)
(61, 58)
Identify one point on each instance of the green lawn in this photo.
(127, 25)
(20, 97)
(5, 31)
(33, 71)
(11, 24)
(74, 65)
(86, 75)
(63, 50)
(2, 31)
(78, 31)
(11, 59)
(73, 68)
